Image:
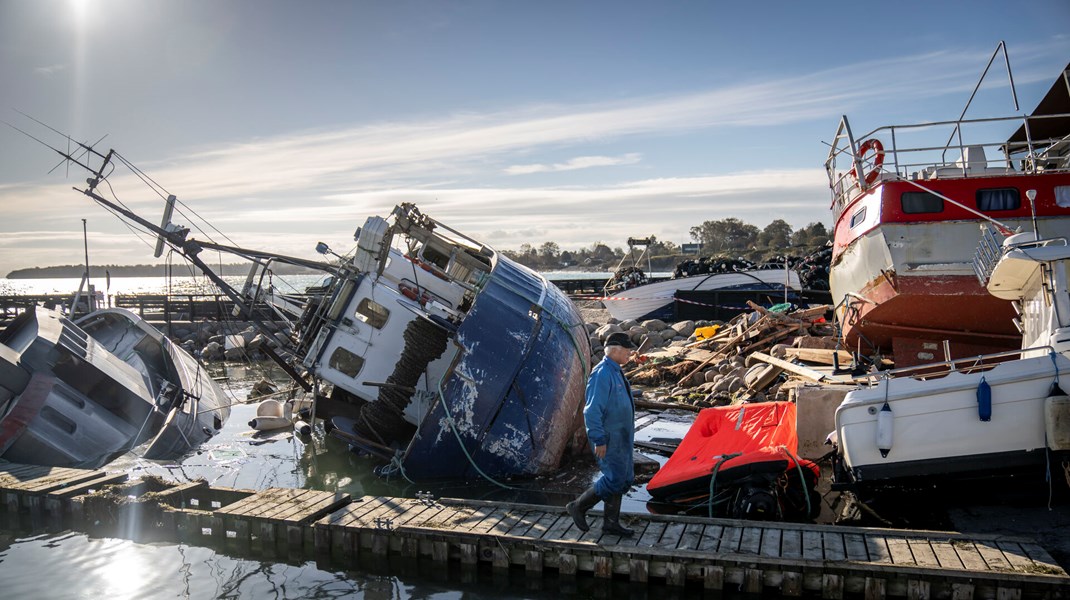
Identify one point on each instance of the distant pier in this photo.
(338, 530)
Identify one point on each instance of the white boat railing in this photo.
(936, 370)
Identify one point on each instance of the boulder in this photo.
(591, 327)
(234, 353)
(257, 341)
(712, 374)
(626, 325)
(684, 328)
(655, 325)
(606, 330)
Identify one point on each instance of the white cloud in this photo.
(580, 162)
(50, 70)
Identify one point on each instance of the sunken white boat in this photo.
(994, 414)
(81, 394)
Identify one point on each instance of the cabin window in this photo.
(436, 257)
(1062, 195)
(346, 362)
(998, 199)
(372, 313)
(921, 202)
(858, 217)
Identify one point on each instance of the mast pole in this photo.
(88, 287)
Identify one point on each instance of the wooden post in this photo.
(533, 562)
(675, 574)
(713, 577)
(603, 567)
(566, 564)
(831, 587)
(752, 581)
(791, 585)
(918, 590)
(469, 554)
(638, 570)
(875, 588)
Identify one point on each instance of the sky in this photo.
(285, 123)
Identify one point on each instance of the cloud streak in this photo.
(580, 162)
(281, 192)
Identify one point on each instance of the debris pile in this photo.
(229, 341)
(748, 359)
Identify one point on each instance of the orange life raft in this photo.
(748, 452)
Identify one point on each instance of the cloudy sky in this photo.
(287, 123)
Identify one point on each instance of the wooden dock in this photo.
(335, 529)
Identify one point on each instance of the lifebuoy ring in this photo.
(878, 159)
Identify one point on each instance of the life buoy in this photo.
(878, 159)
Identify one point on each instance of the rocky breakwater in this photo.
(214, 341)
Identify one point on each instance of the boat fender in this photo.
(878, 159)
(885, 420)
(984, 400)
(1057, 419)
(302, 428)
(268, 423)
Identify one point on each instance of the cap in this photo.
(620, 339)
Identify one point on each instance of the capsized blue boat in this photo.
(447, 358)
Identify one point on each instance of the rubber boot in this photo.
(578, 508)
(611, 524)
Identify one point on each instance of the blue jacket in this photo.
(609, 415)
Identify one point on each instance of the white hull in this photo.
(936, 427)
(645, 299)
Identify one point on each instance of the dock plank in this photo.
(993, 556)
(691, 536)
(1041, 558)
(541, 526)
(813, 546)
(791, 543)
(856, 547)
(771, 542)
(946, 555)
(671, 538)
(923, 552)
(711, 538)
(900, 551)
(558, 529)
(652, 534)
(750, 540)
(1016, 556)
(877, 547)
(968, 554)
(730, 539)
(833, 545)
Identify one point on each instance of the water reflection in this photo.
(74, 566)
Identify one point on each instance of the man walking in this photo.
(609, 415)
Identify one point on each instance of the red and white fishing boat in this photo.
(907, 203)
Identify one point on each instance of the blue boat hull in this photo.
(512, 401)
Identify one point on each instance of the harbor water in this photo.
(38, 563)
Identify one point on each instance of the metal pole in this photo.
(88, 287)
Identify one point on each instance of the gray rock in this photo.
(736, 383)
(604, 331)
(213, 347)
(591, 327)
(234, 353)
(626, 325)
(668, 335)
(712, 375)
(684, 328)
(257, 341)
(655, 325)
(217, 339)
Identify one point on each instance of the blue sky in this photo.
(287, 123)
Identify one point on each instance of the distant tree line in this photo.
(177, 270)
(725, 237)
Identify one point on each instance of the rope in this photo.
(802, 480)
(713, 478)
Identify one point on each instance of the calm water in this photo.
(79, 566)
